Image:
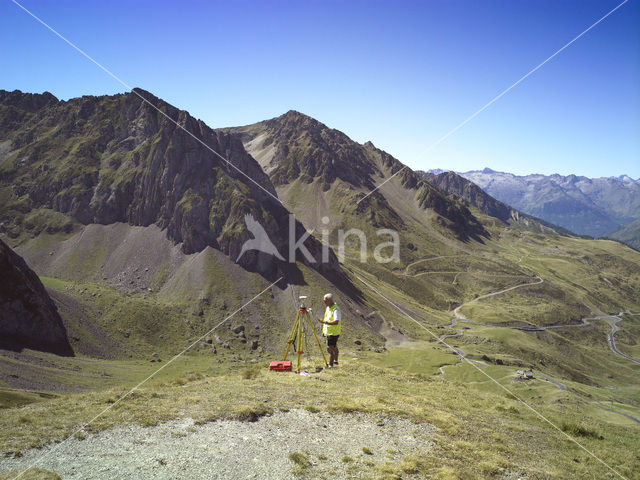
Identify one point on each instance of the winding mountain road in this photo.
(612, 342)
(561, 386)
(461, 317)
(613, 321)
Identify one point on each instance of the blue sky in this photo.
(398, 73)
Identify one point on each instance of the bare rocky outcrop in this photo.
(295, 147)
(134, 158)
(28, 316)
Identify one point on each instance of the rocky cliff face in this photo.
(28, 316)
(302, 147)
(117, 159)
(453, 183)
(295, 146)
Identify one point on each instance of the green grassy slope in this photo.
(463, 276)
(629, 234)
(420, 378)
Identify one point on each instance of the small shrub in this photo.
(188, 377)
(367, 450)
(388, 471)
(579, 431)
(509, 409)
(202, 421)
(248, 413)
(251, 373)
(148, 422)
(412, 465)
(347, 408)
(300, 459)
(347, 459)
(32, 473)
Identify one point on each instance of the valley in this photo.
(135, 236)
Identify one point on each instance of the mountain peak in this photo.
(139, 93)
(142, 91)
(625, 179)
(27, 101)
(586, 206)
(295, 113)
(294, 118)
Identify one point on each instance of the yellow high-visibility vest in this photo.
(328, 317)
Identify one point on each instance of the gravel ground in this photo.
(233, 449)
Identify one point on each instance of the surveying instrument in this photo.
(296, 337)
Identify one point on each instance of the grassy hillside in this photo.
(437, 336)
(629, 234)
(479, 431)
(580, 278)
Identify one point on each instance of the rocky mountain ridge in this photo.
(124, 158)
(454, 184)
(297, 148)
(586, 206)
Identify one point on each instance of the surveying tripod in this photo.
(297, 334)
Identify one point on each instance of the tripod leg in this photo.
(300, 339)
(291, 335)
(326, 364)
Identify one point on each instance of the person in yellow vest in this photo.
(331, 328)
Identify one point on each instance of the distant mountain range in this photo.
(587, 206)
(454, 184)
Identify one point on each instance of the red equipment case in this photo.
(280, 366)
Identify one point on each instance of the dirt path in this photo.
(613, 321)
(406, 270)
(561, 386)
(233, 449)
(460, 316)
